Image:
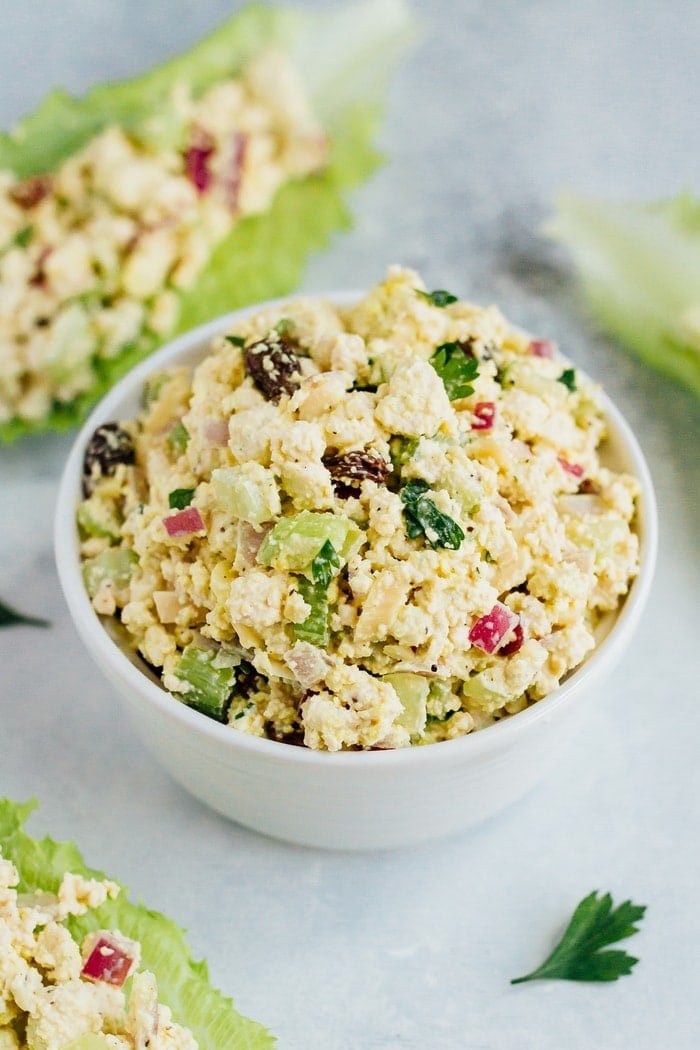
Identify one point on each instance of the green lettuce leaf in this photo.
(639, 266)
(183, 984)
(346, 58)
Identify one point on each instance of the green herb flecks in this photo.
(568, 378)
(324, 567)
(284, 326)
(178, 499)
(178, 438)
(12, 618)
(235, 340)
(424, 519)
(439, 297)
(594, 924)
(455, 369)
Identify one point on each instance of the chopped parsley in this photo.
(178, 499)
(439, 297)
(284, 326)
(568, 378)
(10, 617)
(455, 369)
(578, 955)
(424, 519)
(235, 340)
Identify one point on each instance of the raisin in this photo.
(273, 365)
(28, 193)
(109, 446)
(349, 469)
(588, 487)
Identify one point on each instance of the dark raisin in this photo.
(109, 446)
(349, 469)
(247, 679)
(28, 193)
(273, 365)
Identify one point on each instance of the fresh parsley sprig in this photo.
(424, 519)
(456, 369)
(10, 617)
(178, 499)
(439, 297)
(568, 378)
(578, 955)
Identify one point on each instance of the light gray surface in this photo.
(501, 105)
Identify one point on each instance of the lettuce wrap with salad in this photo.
(58, 915)
(149, 206)
(639, 267)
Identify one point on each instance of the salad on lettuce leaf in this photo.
(63, 904)
(152, 205)
(639, 265)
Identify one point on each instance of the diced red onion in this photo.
(215, 433)
(248, 543)
(185, 523)
(514, 645)
(197, 161)
(489, 631)
(485, 412)
(107, 961)
(542, 348)
(571, 468)
(309, 664)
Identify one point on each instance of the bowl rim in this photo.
(105, 650)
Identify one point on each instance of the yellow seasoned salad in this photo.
(365, 527)
(58, 994)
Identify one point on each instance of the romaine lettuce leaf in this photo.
(345, 56)
(183, 984)
(639, 265)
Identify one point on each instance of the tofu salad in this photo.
(359, 528)
(58, 994)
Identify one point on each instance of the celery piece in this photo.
(412, 691)
(401, 450)
(208, 681)
(248, 492)
(115, 566)
(97, 518)
(294, 542)
(178, 438)
(324, 567)
(152, 388)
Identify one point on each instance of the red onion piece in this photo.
(516, 642)
(108, 962)
(485, 412)
(215, 433)
(185, 523)
(571, 468)
(489, 631)
(197, 161)
(542, 348)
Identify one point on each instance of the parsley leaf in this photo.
(594, 924)
(180, 498)
(235, 340)
(568, 378)
(455, 369)
(11, 618)
(439, 297)
(324, 567)
(423, 518)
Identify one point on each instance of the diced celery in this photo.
(401, 450)
(481, 690)
(314, 629)
(178, 438)
(71, 343)
(98, 518)
(294, 542)
(412, 691)
(208, 681)
(152, 387)
(442, 700)
(527, 378)
(601, 535)
(248, 492)
(115, 566)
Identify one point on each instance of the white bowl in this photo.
(348, 800)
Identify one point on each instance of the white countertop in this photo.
(500, 105)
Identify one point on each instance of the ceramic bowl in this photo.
(347, 800)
